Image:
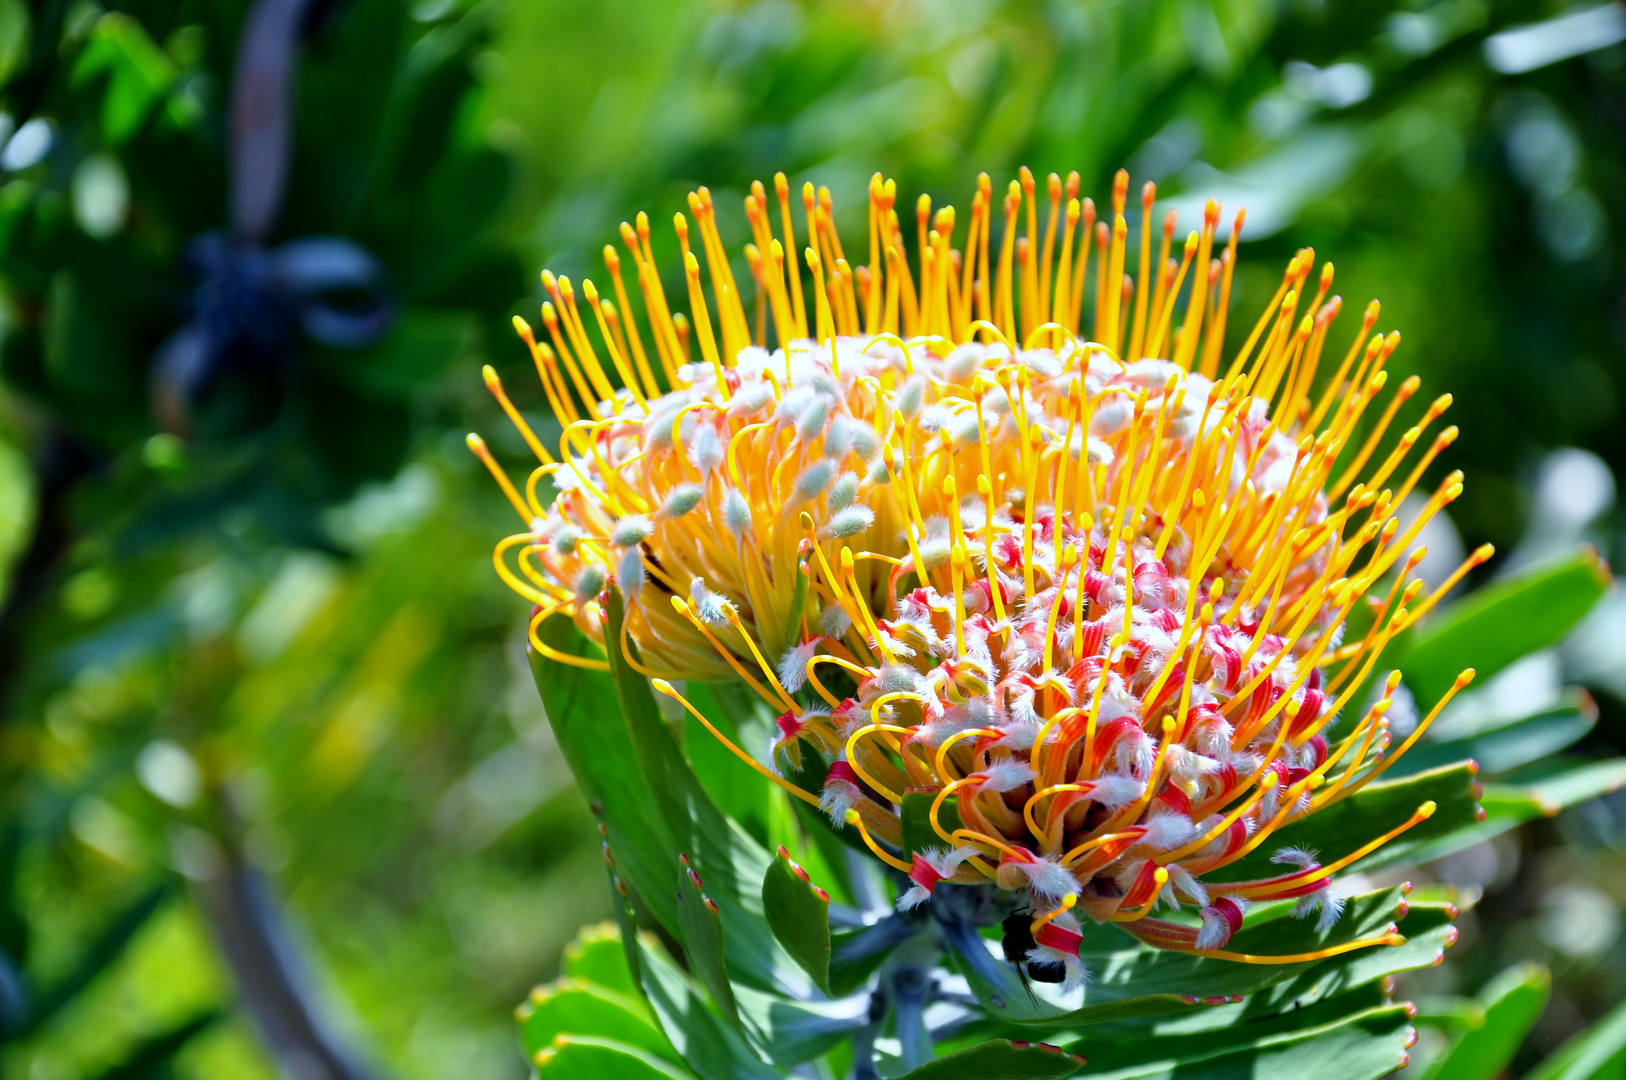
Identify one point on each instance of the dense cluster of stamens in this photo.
(1086, 593)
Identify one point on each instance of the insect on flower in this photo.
(1084, 594)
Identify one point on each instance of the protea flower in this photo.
(1086, 593)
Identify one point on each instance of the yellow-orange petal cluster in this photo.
(1085, 592)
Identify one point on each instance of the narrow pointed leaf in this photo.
(730, 861)
(1000, 1059)
(792, 1032)
(1598, 1053)
(1510, 1006)
(708, 1045)
(598, 748)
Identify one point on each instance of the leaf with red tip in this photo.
(703, 941)
(798, 912)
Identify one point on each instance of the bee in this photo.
(1017, 942)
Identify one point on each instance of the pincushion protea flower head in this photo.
(1083, 594)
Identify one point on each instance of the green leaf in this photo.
(790, 1033)
(918, 833)
(726, 857)
(702, 926)
(1500, 623)
(141, 73)
(599, 751)
(1428, 931)
(704, 1041)
(798, 912)
(1337, 830)
(1545, 792)
(1000, 1059)
(596, 956)
(1369, 1044)
(14, 35)
(737, 789)
(1138, 981)
(1597, 1053)
(569, 1007)
(1510, 1006)
(97, 958)
(1510, 746)
(152, 1056)
(573, 1056)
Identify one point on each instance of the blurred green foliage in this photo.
(282, 639)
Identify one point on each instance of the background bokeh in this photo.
(266, 668)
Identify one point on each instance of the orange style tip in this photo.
(680, 605)
(1326, 274)
(663, 687)
(1466, 677)
(1148, 195)
(475, 443)
(780, 183)
(690, 263)
(521, 327)
(851, 817)
(493, 383)
(548, 280)
(1483, 552)
(806, 520)
(1426, 811)
(1191, 243)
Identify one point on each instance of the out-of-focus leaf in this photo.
(1000, 1059)
(1335, 831)
(1498, 624)
(698, 918)
(1510, 746)
(1368, 1044)
(799, 914)
(569, 1007)
(596, 956)
(573, 1056)
(424, 343)
(140, 73)
(1509, 1007)
(1541, 792)
(1598, 1053)
(150, 1058)
(96, 959)
(14, 35)
(580, 706)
